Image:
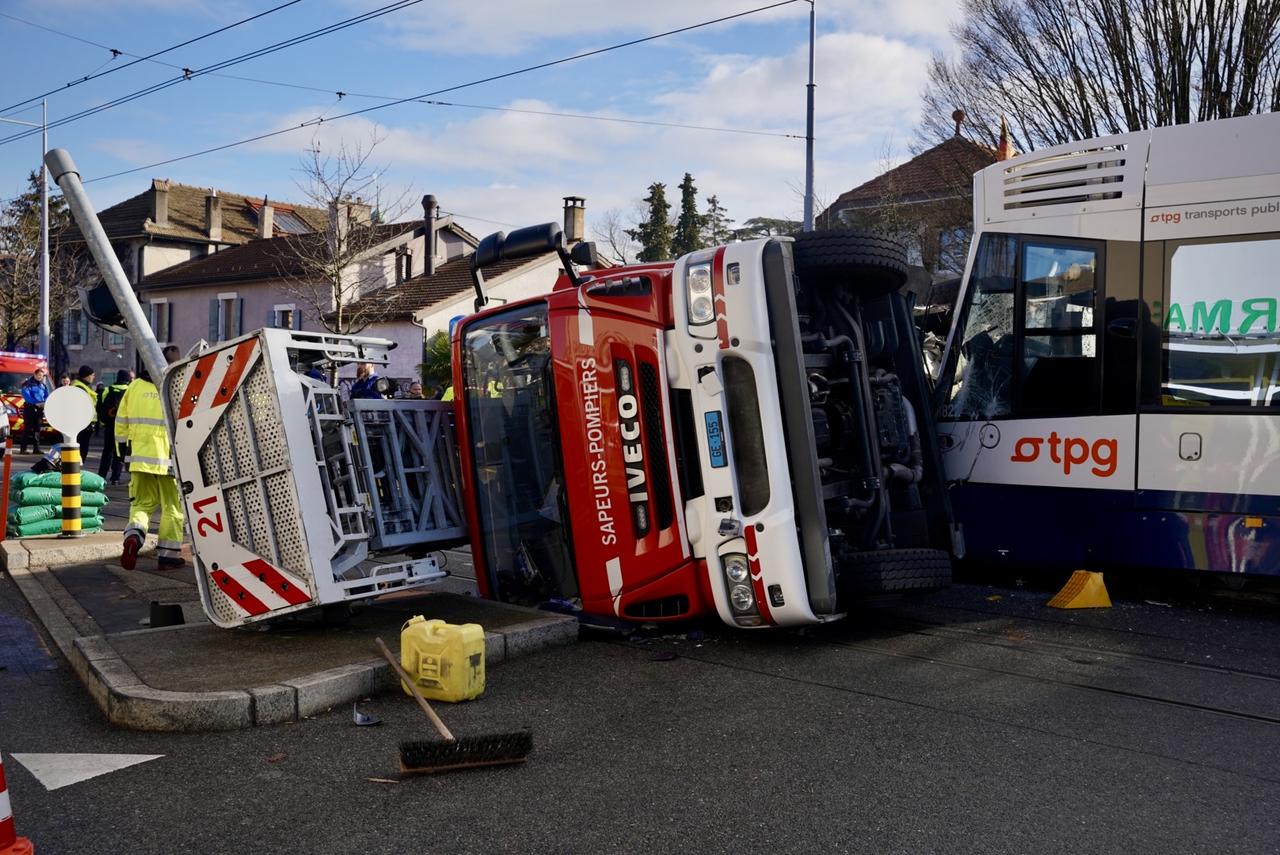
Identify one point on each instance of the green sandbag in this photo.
(31, 496)
(36, 513)
(54, 526)
(88, 480)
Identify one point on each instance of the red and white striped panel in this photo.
(214, 378)
(757, 580)
(256, 587)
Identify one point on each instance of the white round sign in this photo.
(69, 410)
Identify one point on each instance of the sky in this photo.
(491, 168)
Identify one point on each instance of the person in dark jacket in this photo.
(34, 393)
(367, 382)
(108, 404)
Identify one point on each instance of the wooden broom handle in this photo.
(422, 702)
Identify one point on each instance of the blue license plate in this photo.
(715, 439)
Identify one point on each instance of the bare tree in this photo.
(20, 265)
(1063, 70)
(612, 233)
(337, 274)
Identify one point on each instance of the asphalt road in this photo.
(955, 724)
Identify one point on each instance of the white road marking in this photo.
(61, 770)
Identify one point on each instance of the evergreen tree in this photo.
(690, 224)
(654, 234)
(717, 223)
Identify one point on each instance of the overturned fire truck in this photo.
(744, 431)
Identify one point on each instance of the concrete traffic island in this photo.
(197, 677)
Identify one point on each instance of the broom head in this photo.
(424, 757)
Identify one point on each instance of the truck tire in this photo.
(895, 570)
(869, 263)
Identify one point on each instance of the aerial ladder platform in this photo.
(295, 497)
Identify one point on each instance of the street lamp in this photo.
(43, 346)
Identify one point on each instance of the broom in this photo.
(424, 757)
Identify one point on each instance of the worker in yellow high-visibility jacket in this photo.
(140, 423)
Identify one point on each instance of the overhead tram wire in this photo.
(455, 88)
(342, 93)
(190, 74)
(96, 74)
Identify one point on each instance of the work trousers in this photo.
(111, 461)
(32, 414)
(148, 493)
(83, 438)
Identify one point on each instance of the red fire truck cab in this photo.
(743, 431)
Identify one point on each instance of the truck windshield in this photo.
(518, 477)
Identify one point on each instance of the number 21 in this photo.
(214, 523)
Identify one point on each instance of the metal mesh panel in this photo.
(265, 413)
(289, 535)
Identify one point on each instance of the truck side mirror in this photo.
(532, 240)
(585, 254)
(101, 308)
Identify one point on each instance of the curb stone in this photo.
(129, 702)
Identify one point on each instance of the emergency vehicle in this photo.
(15, 369)
(744, 431)
(1110, 389)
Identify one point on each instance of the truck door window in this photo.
(984, 368)
(1058, 364)
(1219, 321)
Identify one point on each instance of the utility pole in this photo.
(43, 346)
(808, 133)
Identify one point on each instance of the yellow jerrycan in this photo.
(445, 660)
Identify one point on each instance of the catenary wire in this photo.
(425, 95)
(114, 52)
(343, 93)
(190, 74)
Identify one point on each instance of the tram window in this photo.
(984, 367)
(1059, 368)
(1221, 342)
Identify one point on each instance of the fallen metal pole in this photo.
(64, 173)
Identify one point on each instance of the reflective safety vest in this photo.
(140, 422)
(88, 390)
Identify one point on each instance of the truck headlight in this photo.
(736, 568)
(741, 598)
(697, 284)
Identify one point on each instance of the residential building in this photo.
(273, 281)
(927, 202)
(166, 225)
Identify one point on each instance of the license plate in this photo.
(715, 439)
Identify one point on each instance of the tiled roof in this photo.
(941, 169)
(265, 258)
(450, 280)
(186, 217)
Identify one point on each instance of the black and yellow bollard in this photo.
(71, 490)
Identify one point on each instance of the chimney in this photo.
(160, 201)
(575, 219)
(429, 209)
(339, 224)
(958, 118)
(266, 219)
(213, 215)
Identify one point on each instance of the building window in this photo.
(226, 313)
(161, 320)
(114, 341)
(75, 328)
(286, 317)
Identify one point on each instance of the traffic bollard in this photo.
(10, 842)
(71, 490)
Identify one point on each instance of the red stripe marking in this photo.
(195, 385)
(231, 380)
(717, 298)
(757, 581)
(243, 599)
(274, 579)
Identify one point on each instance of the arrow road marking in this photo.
(61, 770)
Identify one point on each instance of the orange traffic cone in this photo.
(10, 842)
